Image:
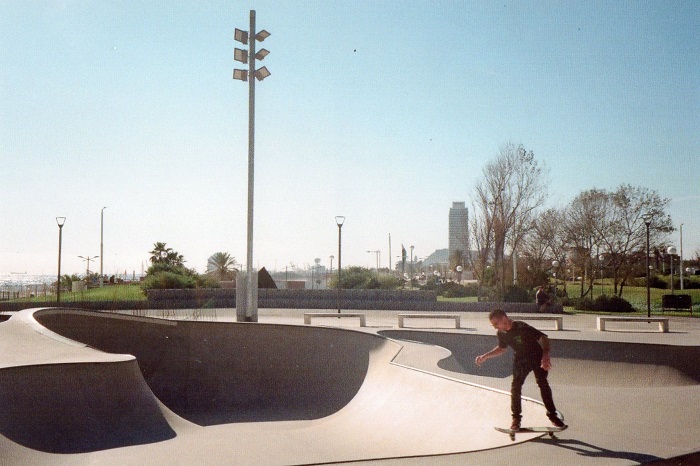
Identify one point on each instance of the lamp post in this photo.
(88, 259)
(339, 220)
(250, 56)
(60, 221)
(680, 262)
(671, 252)
(377, 254)
(410, 281)
(647, 223)
(555, 266)
(102, 229)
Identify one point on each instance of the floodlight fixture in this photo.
(262, 73)
(262, 35)
(262, 53)
(240, 74)
(60, 221)
(241, 55)
(241, 36)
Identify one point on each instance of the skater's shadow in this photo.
(592, 451)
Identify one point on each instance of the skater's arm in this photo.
(497, 351)
(546, 361)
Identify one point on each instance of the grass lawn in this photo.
(636, 295)
(106, 293)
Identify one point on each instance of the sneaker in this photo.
(557, 421)
(515, 425)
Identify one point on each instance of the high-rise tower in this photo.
(459, 230)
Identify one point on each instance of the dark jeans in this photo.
(521, 369)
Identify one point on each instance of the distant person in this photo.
(544, 302)
(531, 354)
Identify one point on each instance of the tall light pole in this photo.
(410, 281)
(331, 257)
(681, 258)
(102, 230)
(377, 253)
(339, 220)
(60, 221)
(671, 252)
(250, 56)
(647, 222)
(555, 266)
(88, 259)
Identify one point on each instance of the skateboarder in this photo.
(531, 353)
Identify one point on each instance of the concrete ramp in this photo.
(240, 393)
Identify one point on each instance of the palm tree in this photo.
(222, 265)
(161, 254)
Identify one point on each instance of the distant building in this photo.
(458, 230)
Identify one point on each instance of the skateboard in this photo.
(549, 430)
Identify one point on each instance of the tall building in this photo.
(459, 229)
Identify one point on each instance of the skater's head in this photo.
(500, 320)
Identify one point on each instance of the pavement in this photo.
(194, 387)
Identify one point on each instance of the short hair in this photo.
(497, 314)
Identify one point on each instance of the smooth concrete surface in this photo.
(98, 388)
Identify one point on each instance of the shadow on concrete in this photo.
(591, 451)
(50, 408)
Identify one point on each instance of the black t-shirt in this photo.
(523, 339)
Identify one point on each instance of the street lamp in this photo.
(60, 221)
(377, 254)
(671, 252)
(331, 257)
(680, 261)
(410, 281)
(555, 266)
(647, 222)
(250, 56)
(88, 259)
(102, 225)
(339, 220)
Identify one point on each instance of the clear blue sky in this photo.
(382, 111)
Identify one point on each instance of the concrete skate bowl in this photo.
(606, 364)
(237, 393)
(213, 373)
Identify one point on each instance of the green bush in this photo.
(518, 294)
(163, 276)
(604, 304)
(451, 289)
(363, 278)
(168, 281)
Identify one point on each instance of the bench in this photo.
(429, 316)
(677, 302)
(309, 315)
(558, 320)
(662, 321)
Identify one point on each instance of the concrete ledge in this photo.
(309, 315)
(558, 320)
(663, 321)
(429, 316)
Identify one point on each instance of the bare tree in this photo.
(504, 205)
(582, 216)
(621, 232)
